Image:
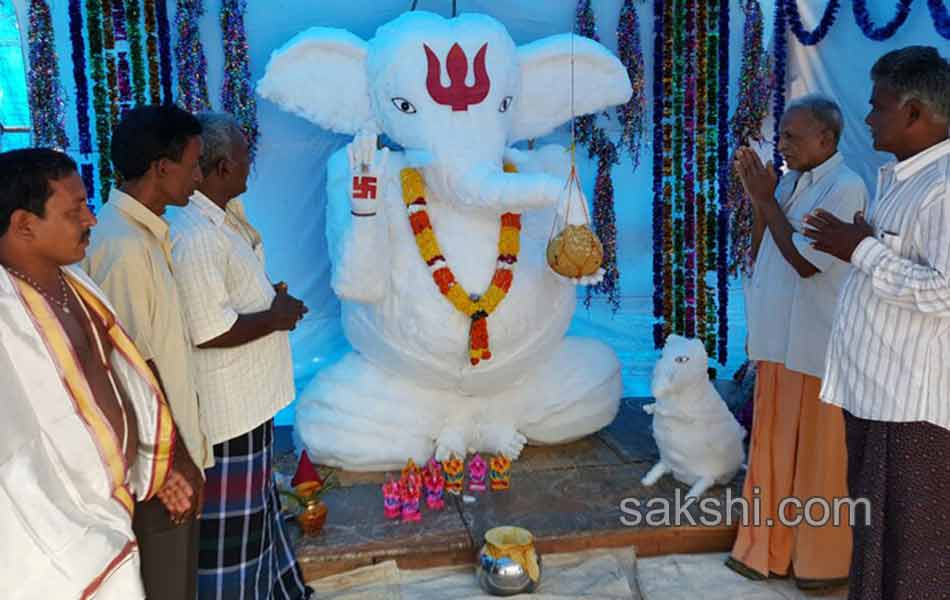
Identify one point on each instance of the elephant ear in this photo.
(600, 81)
(320, 75)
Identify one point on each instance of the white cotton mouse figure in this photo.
(699, 439)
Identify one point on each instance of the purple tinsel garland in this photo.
(118, 20)
(237, 97)
(630, 52)
(89, 182)
(586, 26)
(722, 277)
(941, 17)
(605, 221)
(778, 85)
(879, 34)
(125, 79)
(46, 101)
(810, 38)
(164, 50)
(192, 66)
(79, 76)
(658, 300)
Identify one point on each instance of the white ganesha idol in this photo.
(699, 439)
(438, 251)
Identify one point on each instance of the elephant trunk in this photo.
(484, 186)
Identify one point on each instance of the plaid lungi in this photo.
(246, 553)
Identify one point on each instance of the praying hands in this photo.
(834, 236)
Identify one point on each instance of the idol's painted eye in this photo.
(404, 105)
(505, 104)
(682, 359)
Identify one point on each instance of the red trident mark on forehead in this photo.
(458, 95)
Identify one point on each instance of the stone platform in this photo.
(568, 496)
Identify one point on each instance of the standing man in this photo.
(797, 448)
(889, 359)
(155, 151)
(85, 427)
(238, 322)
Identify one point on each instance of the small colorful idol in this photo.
(435, 485)
(477, 472)
(410, 493)
(454, 470)
(392, 500)
(500, 474)
(411, 468)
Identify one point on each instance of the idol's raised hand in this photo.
(367, 166)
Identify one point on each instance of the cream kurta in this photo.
(66, 493)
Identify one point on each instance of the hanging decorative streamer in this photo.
(108, 55)
(118, 20)
(164, 50)
(236, 95)
(100, 94)
(679, 91)
(47, 109)
(722, 225)
(87, 172)
(599, 145)
(941, 17)
(879, 34)
(79, 76)
(630, 52)
(151, 44)
(689, 178)
(192, 66)
(658, 204)
(810, 38)
(746, 127)
(133, 15)
(701, 152)
(605, 220)
(780, 49)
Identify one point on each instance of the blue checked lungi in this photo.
(246, 552)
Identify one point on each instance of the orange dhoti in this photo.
(798, 450)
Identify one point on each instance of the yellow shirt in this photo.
(130, 259)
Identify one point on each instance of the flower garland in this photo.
(478, 309)
(236, 95)
(810, 38)
(133, 15)
(47, 108)
(88, 174)
(164, 50)
(605, 220)
(941, 17)
(780, 56)
(630, 52)
(746, 126)
(658, 99)
(79, 76)
(151, 45)
(667, 61)
(722, 225)
(879, 34)
(192, 66)
(100, 94)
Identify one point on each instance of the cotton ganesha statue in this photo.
(439, 249)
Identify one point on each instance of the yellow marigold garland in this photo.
(475, 308)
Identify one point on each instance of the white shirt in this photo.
(889, 358)
(789, 317)
(222, 277)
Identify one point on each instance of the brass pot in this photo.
(508, 563)
(313, 517)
